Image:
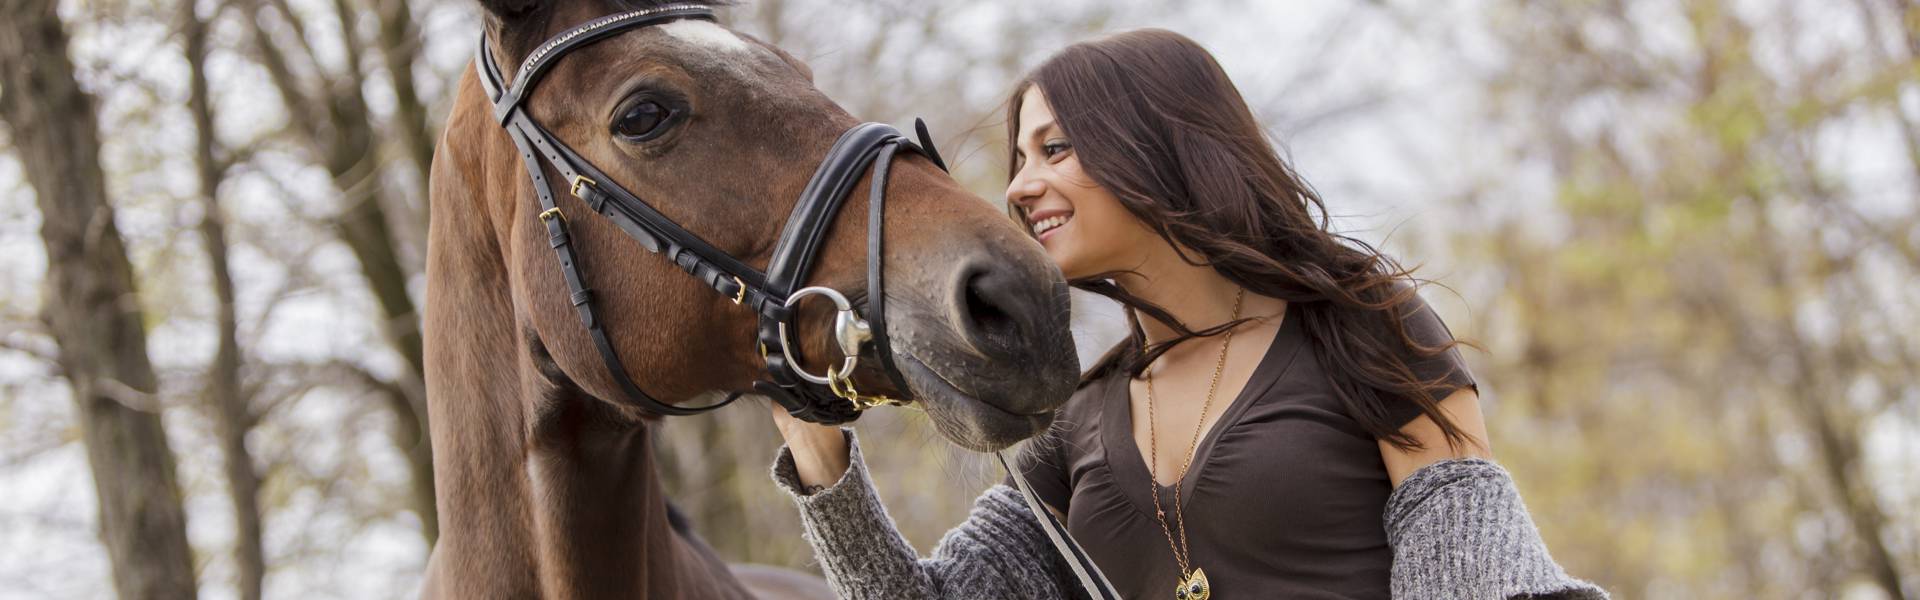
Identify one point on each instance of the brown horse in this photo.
(544, 470)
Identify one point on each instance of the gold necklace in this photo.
(1193, 583)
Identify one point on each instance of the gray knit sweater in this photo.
(1458, 531)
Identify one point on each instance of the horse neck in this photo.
(601, 517)
(542, 490)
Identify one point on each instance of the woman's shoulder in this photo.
(1433, 356)
(1422, 322)
(1086, 406)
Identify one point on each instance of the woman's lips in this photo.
(1045, 224)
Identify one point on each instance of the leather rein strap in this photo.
(771, 295)
(1092, 581)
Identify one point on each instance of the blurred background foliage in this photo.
(1687, 235)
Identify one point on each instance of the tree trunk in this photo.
(344, 141)
(399, 46)
(92, 309)
(227, 405)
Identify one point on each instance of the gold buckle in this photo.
(580, 180)
(552, 213)
(740, 296)
(866, 402)
(842, 385)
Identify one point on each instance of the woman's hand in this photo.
(819, 451)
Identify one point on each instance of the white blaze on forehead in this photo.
(706, 34)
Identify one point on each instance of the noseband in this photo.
(829, 398)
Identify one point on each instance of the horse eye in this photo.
(643, 121)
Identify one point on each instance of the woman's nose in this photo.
(1024, 190)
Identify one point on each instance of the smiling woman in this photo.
(1139, 168)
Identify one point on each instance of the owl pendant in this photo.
(1193, 587)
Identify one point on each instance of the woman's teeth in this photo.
(1043, 225)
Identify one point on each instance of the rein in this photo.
(773, 295)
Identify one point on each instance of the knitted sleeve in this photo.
(998, 552)
(1459, 531)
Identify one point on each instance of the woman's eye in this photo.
(1055, 148)
(642, 121)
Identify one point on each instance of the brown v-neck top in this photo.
(1285, 495)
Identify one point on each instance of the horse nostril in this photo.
(986, 298)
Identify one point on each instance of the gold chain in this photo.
(1180, 551)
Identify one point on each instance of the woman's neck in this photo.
(1198, 296)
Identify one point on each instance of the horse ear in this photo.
(508, 10)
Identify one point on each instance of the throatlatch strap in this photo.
(1091, 579)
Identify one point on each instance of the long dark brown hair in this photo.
(1155, 120)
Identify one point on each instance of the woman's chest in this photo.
(1275, 477)
(1279, 505)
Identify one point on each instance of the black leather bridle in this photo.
(829, 399)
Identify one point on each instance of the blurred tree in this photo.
(400, 45)
(226, 400)
(1694, 257)
(332, 120)
(92, 308)
(1705, 328)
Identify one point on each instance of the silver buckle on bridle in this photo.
(849, 330)
(850, 333)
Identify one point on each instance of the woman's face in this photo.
(1082, 225)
